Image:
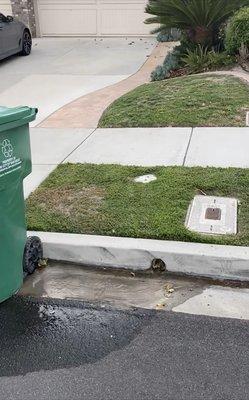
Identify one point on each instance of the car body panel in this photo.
(11, 36)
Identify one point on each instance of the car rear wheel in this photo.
(26, 44)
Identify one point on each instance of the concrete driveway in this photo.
(59, 70)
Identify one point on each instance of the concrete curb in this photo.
(206, 260)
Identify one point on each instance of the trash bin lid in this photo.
(8, 115)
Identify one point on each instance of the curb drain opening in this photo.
(158, 265)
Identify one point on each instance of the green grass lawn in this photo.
(105, 200)
(186, 101)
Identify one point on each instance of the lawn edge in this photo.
(196, 259)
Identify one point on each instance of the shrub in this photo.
(201, 60)
(160, 73)
(243, 57)
(169, 35)
(171, 62)
(237, 32)
(199, 19)
(196, 60)
(220, 60)
(165, 36)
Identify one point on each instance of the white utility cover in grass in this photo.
(213, 215)
(145, 178)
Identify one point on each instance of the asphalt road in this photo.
(62, 350)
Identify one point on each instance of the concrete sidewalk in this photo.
(217, 147)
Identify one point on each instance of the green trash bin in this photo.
(16, 252)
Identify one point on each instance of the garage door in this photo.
(92, 17)
(5, 7)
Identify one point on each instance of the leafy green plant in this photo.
(201, 59)
(220, 60)
(199, 19)
(237, 33)
(197, 60)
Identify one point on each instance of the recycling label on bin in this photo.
(8, 162)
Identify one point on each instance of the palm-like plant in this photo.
(199, 19)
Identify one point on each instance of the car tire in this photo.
(26, 43)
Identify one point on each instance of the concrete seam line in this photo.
(188, 145)
(207, 260)
(80, 144)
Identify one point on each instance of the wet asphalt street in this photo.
(62, 350)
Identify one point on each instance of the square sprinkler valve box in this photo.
(213, 215)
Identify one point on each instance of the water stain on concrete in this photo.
(121, 289)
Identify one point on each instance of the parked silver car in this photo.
(15, 37)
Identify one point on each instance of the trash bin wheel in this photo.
(33, 253)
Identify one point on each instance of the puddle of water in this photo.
(119, 288)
